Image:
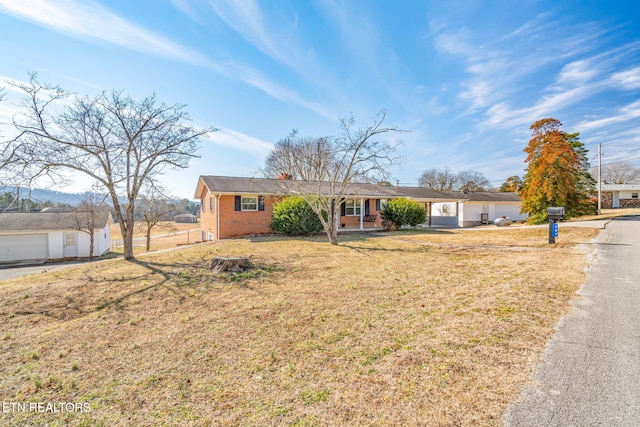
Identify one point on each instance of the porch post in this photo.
(361, 213)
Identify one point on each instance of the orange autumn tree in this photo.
(557, 172)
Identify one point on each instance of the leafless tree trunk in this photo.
(117, 141)
(153, 210)
(88, 215)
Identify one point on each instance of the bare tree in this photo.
(472, 181)
(446, 180)
(119, 142)
(438, 179)
(153, 210)
(89, 216)
(11, 163)
(327, 168)
(618, 173)
(299, 157)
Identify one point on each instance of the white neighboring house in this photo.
(621, 195)
(456, 209)
(476, 208)
(51, 235)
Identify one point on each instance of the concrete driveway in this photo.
(11, 272)
(589, 374)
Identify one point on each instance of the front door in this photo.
(70, 245)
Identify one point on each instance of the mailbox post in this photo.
(555, 214)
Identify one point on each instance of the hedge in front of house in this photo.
(402, 211)
(293, 216)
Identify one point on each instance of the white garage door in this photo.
(24, 246)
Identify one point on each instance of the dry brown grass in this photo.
(418, 328)
(165, 235)
(610, 213)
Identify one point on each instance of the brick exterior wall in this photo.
(607, 201)
(233, 223)
(207, 218)
(242, 223)
(630, 203)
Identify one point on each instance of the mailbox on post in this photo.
(555, 214)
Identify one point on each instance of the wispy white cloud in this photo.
(577, 72)
(240, 141)
(498, 68)
(623, 114)
(502, 115)
(277, 35)
(187, 8)
(627, 80)
(89, 20)
(369, 54)
(247, 19)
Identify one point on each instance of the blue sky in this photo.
(466, 78)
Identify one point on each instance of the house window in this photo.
(634, 195)
(249, 204)
(352, 207)
(212, 203)
(243, 203)
(202, 204)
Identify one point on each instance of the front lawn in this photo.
(404, 328)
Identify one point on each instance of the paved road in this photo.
(590, 371)
(7, 273)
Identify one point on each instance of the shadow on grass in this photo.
(77, 302)
(351, 236)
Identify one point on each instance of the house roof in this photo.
(21, 221)
(491, 196)
(236, 185)
(269, 186)
(620, 187)
(428, 194)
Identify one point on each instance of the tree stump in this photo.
(230, 265)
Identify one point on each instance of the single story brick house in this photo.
(234, 207)
(51, 235)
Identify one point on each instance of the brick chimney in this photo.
(284, 176)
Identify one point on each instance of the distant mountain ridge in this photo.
(43, 195)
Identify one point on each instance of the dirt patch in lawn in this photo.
(417, 328)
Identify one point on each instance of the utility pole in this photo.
(599, 178)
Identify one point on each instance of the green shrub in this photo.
(293, 216)
(403, 212)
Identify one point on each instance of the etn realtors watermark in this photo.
(44, 408)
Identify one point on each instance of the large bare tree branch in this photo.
(326, 168)
(120, 142)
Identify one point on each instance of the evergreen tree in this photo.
(557, 172)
